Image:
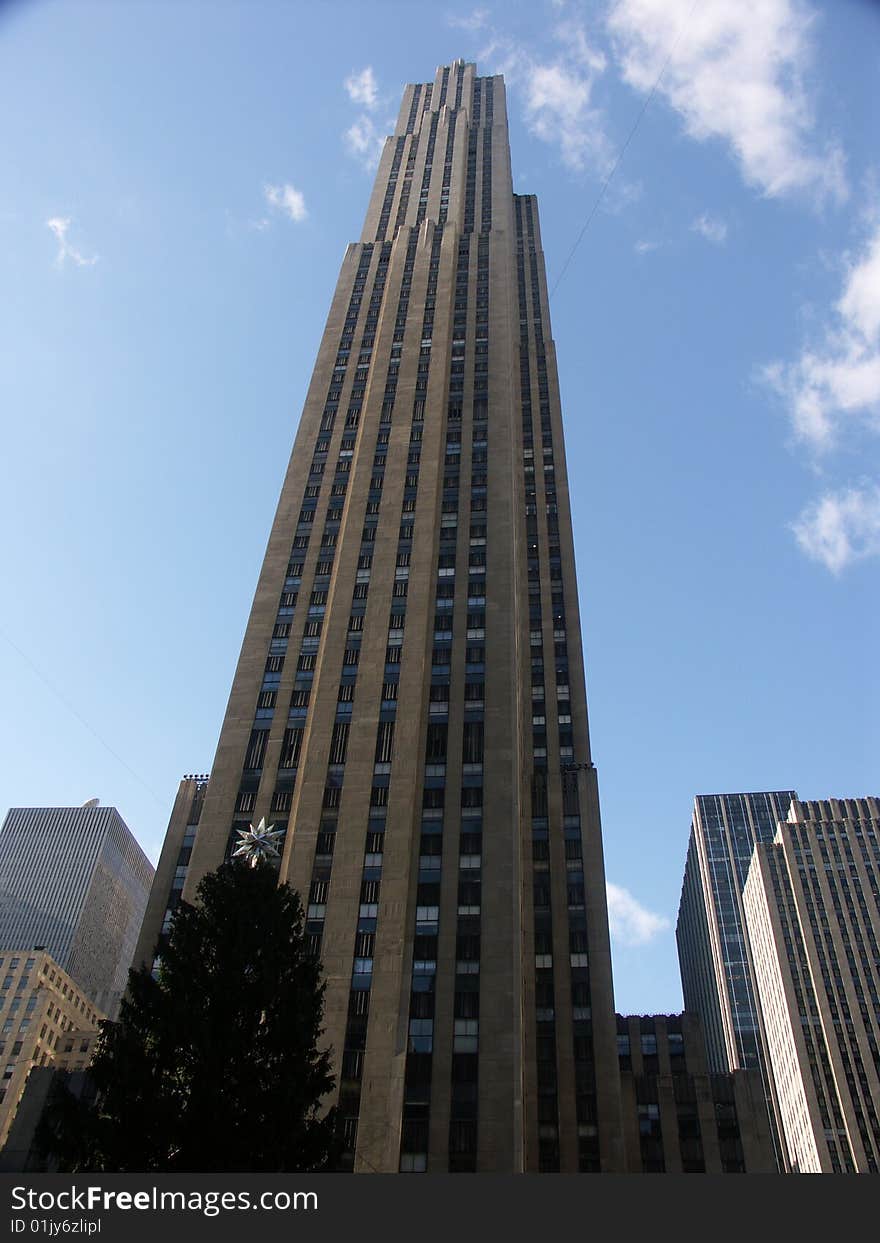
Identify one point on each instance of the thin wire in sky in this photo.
(70, 708)
(622, 152)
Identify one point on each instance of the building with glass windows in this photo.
(46, 1020)
(680, 1118)
(713, 955)
(713, 951)
(74, 882)
(812, 906)
(409, 701)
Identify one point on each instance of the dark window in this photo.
(384, 742)
(290, 748)
(472, 743)
(256, 749)
(435, 744)
(339, 742)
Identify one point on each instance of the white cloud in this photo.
(838, 380)
(59, 225)
(711, 228)
(573, 37)
(557, 94)
(645, 248)
(362, 88)
(475, 21)
(630, 922)
(841, 527)
(286, 199)
(364, 141)
(736, 72)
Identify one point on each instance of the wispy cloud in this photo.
(285, 199)
(841, 527)
(832, 395)
(362, 88)
(364, 139)
(476, 20)
(644, 247)
(60, 226)
(711, 228)
(557, 94)
(737, 72)
(836, 382)
(630, 922)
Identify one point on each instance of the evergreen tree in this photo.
(214, 1064)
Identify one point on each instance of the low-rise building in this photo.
(678, 1117)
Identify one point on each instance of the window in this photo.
(290, 748)
(339, 743)
(435, 743)
(385, 741)
(472, 742)
(256, 749)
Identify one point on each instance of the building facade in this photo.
(713, 951)
(172, 868)
(74, 882)
(812, 905)
(678, 1117)
(409, 701)
(713, 956)
(48, 1020)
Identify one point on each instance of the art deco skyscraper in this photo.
(409, 701)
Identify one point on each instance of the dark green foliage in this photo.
(214, 1065)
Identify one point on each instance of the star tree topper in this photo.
(257, 844)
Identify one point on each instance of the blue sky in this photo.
(179, 184)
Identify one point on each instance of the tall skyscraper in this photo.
(409, 701)
(713, 954)
(716, 973)
(812, 904)
(74, 882)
